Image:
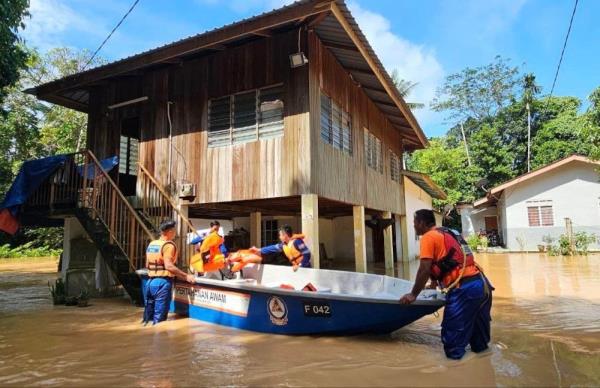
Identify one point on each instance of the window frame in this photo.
(341, 118)
(538, 205)
(261, 130)
(266, 228)
(373, 151)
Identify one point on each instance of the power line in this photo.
(563, 50)
(109, 35)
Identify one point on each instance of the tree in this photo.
(530, 90)
(404, 88)
(447, 167)
(477, 93)
(591, 125)
(13, 56)
(31, 128)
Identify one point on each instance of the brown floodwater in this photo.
(545, 332)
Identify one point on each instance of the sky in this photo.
(425, 40)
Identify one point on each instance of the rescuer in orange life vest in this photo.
(161, 256)
(468, 292)
(292, 245)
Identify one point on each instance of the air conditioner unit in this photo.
(187, 190)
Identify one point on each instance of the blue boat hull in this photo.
(281, 312)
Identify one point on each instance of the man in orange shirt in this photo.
(447, 260)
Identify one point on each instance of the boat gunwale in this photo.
(309, 294)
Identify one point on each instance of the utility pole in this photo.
(528, 138)
(462, 129)
(569, 230)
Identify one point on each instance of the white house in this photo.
(537, 204)
(419, 192)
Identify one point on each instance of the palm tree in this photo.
(530, 89)
(404, 88)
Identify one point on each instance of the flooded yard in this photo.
(545, 332)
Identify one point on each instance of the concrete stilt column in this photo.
(388, 246)
(404, 230)
(310, 225)
(255, 228)
(360, 244)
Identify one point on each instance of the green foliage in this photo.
(58, 291)
(492, 104)
(404, 88)
(33, 129)
(477, 93)
(473, 241)
(27, 250)
(580, 246)
(13, 56)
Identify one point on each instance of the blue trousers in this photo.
(158, 299)
(467, 318)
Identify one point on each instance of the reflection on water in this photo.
(545, 332)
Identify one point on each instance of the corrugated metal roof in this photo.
(425, 183)
(330, 32)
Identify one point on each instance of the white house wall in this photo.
(574, 190)
(416, 199)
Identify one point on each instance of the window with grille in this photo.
(373, 152)
(394, 166)
(270, 232)
(540, 215)
(245, 117)
(336, 125)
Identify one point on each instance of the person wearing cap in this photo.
(161, 256)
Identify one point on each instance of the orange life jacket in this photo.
(154, 259)
(448, 269)
(212, 258)
(290, 251)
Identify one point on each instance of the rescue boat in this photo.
(275, 299)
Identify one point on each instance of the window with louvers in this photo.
(128, 151)
(540, 215)
(270, 112)
(245, 117)
(373, 152)
(394, 166)
(336, 125)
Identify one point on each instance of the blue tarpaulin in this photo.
(31, 175)
(107, 165)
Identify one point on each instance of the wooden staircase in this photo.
(121, 232)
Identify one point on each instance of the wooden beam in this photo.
(218, 47)
(391, 89)
(360, 236)
(255, 228)
(318, 19)
(360, 71)
(264, 33)
(339, 46)
(187, 46)
(310, 225)
(404, 232)
(373, 89)
(246, 209)
(388, 246)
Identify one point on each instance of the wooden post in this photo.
(388, 246)
(360, 244)
(310, 225)
(255, 228)
(404, 232)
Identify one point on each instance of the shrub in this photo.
(473, 241)
(582, 241)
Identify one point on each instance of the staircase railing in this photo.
(83, 183)
(157, 205)
(105, 199)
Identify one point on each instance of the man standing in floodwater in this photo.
(161, 256)
(448, 261)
